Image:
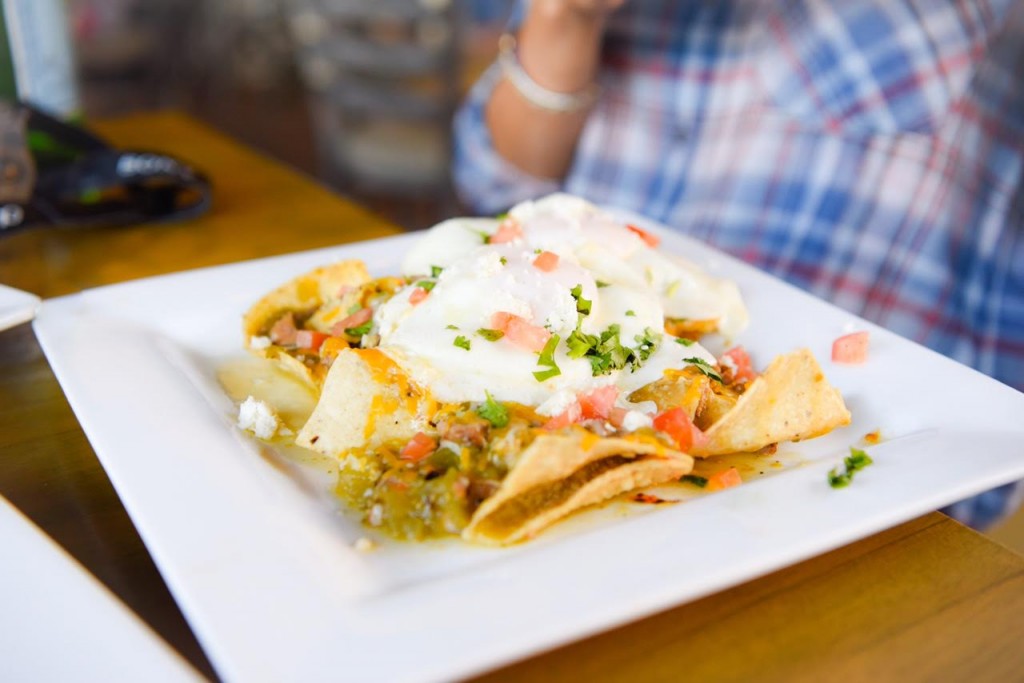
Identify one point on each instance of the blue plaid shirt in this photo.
(868, 151)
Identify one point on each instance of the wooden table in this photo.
(926, 600)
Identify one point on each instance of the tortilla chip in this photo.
(791, 401)
(303, 296)
(562, 472)
(367, 400)
(688, 389)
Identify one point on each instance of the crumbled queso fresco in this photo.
(257, 417)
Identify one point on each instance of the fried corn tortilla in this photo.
(562, 472)
(317, 296)
(366, 400)
(790, 401)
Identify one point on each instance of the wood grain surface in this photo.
(928, 600)
(260, 208)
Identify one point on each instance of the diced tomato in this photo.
(354, 320)
(418, 295)
(418, 447)
(744, 370)
(546, 261)
(652, 240)
(499, 321)
(677, 424)
(571, 415)
(283, 330)
(851, 349)
(617, 416)
(310, 339)
(725, 479)
(508, 230)
(520, 332)
(598, 404)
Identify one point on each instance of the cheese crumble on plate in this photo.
(256, 416)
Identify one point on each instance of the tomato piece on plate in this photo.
(617, 416)
(546, 261)
(508, 230)
(725, 479)
(598, 404)
(650, 239)
(361, 316)
(520, 332)
(739, 361)
(284, 330)
(418, 447)
(310, 339)
(851, 349)
(418, 295)
(677, 424)
(570, 415)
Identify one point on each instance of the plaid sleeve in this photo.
(485, 181)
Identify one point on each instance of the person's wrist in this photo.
(559, 44)
(571, 15)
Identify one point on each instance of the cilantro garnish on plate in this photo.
(853, 463)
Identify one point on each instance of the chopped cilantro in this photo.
(547, 359)
(492, 411)
(582, 305)
(435, 271)
(601, 284)
(461, 342)
(609, 353)
(483, 235)
(490, 335)
(504, 261)
(580, 343)
(699, 482)
(501, 216)
(704, 367)
(451, 327)
(684, 341)
(606, 353)
(359, 331)
(646, 344)
(537, 251)
(631, 313)
(857, 460)
(672, 288)
(426, 284)
(542, 375)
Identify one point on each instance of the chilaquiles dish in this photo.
(521, 368)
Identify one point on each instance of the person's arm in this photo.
(559, 47)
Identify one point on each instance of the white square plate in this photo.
(51, 603)
(16, 306)
(262, 563)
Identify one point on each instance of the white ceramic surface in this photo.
(58, 623)
(16, 306)
(262, 562)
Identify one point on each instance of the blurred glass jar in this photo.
(36, 63)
